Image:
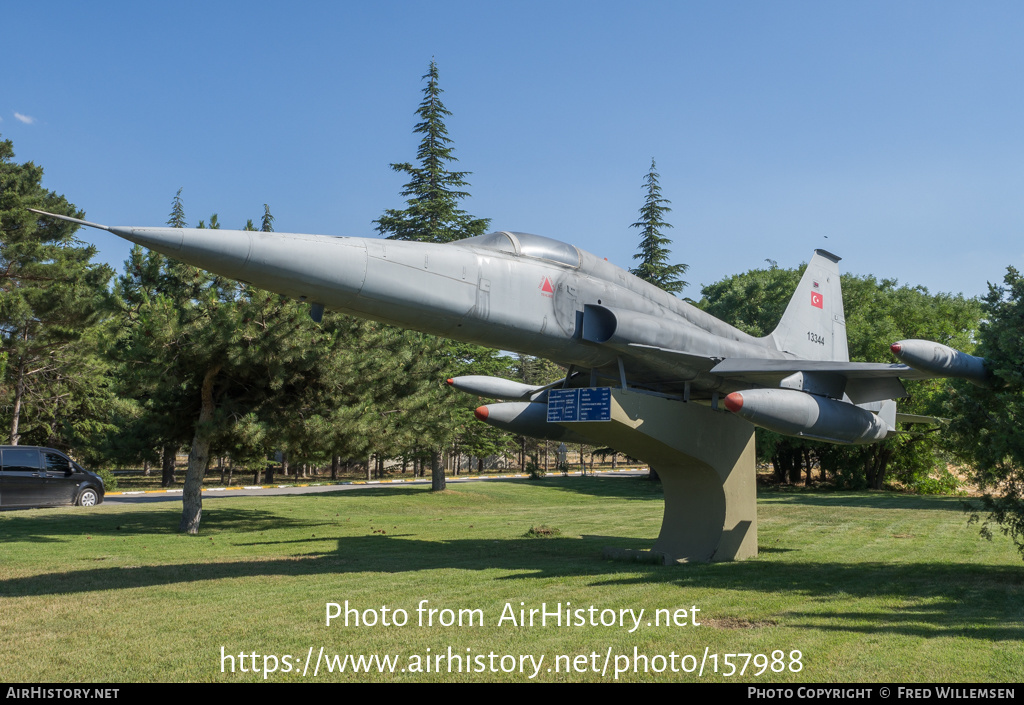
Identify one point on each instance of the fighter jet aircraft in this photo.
(535, 295)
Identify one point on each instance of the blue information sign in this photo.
(587, 404)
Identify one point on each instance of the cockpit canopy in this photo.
(525, 245)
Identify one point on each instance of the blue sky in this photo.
(890, 133)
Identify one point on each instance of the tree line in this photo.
(129, 369)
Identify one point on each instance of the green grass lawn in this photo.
(873, 587)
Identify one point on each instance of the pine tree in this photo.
(267, 224)
(207, 356)
(53, 298)
(986, 428)
(432, 213)
(177, 217)
(653, 252)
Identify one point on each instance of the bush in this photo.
(542, 532)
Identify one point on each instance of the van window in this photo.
(56, 463)
(21, 459)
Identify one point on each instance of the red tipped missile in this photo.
(734, 402)
(493, 387)
(795, 413)
(942, 361)
(526, 418)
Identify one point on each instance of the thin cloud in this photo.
(27, 119)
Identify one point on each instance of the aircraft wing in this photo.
(862, 382)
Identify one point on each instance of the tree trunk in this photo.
(198, 458)
(878, 464)
(335, 463)
(19, 392)
(437, 482)
(794, 469)
(167, 466)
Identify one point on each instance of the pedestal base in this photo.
(705, 460)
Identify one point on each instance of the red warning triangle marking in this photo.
(546, 286)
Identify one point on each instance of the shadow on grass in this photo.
(621, 487)
(864, 499)
(625, 487)
(947, 594)
(62, 526)
(948, 598)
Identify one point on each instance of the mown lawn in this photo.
(868, 587)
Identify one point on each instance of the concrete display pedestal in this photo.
(705, 460)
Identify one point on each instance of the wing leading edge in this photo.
(862, 382)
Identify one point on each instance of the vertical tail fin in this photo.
(814, 326)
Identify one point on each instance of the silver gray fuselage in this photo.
(511, 291)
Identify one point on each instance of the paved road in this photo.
(263, 491)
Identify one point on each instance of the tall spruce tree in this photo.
(177, 217)
(433, 192)
(653, 252)
(432, 214)
(267, 223)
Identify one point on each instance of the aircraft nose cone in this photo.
(481, 413)
(734, 402)
(450, 381)
(896, 348)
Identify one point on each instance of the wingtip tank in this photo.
(942, 361)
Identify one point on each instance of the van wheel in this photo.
(88, 498)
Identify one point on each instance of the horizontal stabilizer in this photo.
(917, 418)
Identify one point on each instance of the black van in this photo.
(31, 476)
